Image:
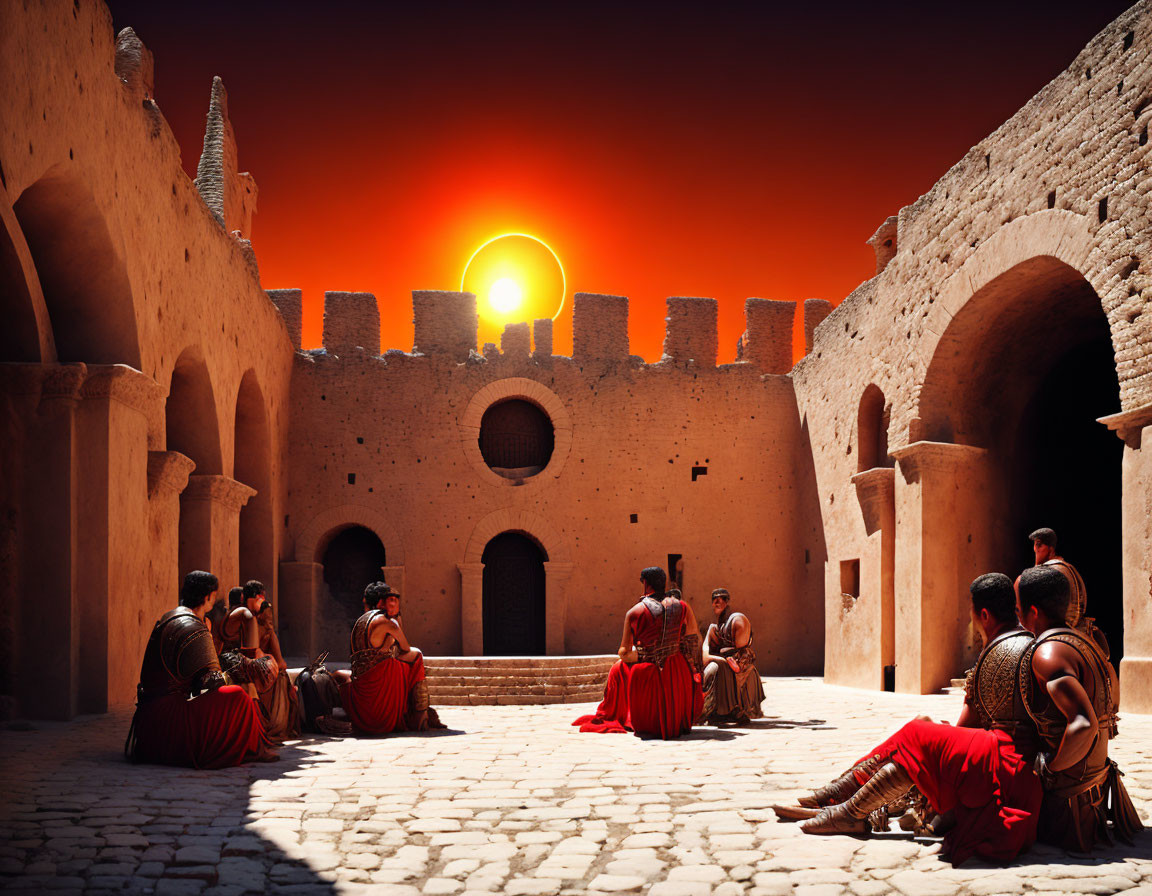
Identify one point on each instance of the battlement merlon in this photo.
(229, 193)
(767, 341)
(815, 310)
(290, 304)
(599, 327)
(351, 323)
(542, 337)
(516, 341)
(445, 323)
(691, 330)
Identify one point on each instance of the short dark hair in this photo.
(377, 591)
(198, 584)
(723, 594)
(1046, 589)
(655, 578)
(235, 596)
(1045, 536)
(993, 592)
(253, 588)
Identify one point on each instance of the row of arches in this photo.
(67, 299)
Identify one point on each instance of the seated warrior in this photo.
(1072, 693)
(733, 691)
(978, 773)
(652, 689)
(1044, 550)
(220, 726)
(386, 690)
(246, 662)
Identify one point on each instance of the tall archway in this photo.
(352, 558)
(872, 431)
(253, 467)
(27, 332)
(514, 596)
(1023, 371)
(81, 272)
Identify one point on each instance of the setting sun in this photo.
(505, 295)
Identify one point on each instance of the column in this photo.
(556, 575)
(876, 492)
(301, 584)
(471, 608)
(210, 526)
(941, 498)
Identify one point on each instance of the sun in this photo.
(505, 295)
(516, 277)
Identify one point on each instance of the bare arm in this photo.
(969, 718)
(249, 629)
(691, 627)
(1058, 672)
(627, 649)
(273, 645)
(382, 628)
(711, 639)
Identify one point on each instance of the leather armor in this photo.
(180, 657)
(670, 615)
(994, 691)
(364, 655)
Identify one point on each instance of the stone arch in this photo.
(27, 332)
(528, 390)
(872, 430)
(316, 535)
(1019, 365)
(252, 465)
(525, 522)
(190, 420)
(81, 271)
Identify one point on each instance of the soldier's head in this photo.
(1043, 545)
(720, 600)
(654, 578)
(235, 597)
(199, 588)
(1043, 596)
(253, 595)
(993, 602)
(374, 596)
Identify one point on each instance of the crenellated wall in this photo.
(651, 460)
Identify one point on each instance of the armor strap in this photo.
(419, 698)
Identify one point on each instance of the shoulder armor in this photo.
(360, 628)
(994, 690)
(186, 646)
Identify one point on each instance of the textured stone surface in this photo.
(509, 800)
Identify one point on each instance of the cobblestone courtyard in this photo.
(512, 799)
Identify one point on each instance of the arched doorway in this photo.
(253, 467)
(1023, 370)
(352, 560)
(514, 596)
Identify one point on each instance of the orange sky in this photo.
(725, 152)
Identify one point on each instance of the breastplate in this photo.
(665, 641)
(360, 628)
(994, 688)
(1051, 722)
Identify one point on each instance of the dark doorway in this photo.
(1069, 477)
(351, 561)
(513, 596)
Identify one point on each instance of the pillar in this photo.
(940, 493)
(556, 575)
(471, 608)
(876, 492)
(210, 525)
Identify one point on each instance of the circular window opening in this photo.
(516, 438)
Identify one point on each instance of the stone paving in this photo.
(512, 799)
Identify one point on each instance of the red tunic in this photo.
(215, 730)
(377, 701)
(981, 776)
(654, 700)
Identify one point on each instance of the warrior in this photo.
(386, 690)
(652, 688)
(733, 691)
(1071, 692)
(978, 773)
(246, 662)
(1044, 550)
(220, 726)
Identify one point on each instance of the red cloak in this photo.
(377, 701)
(215, 730)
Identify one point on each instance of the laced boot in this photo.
(843, 787)
(889, 784)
